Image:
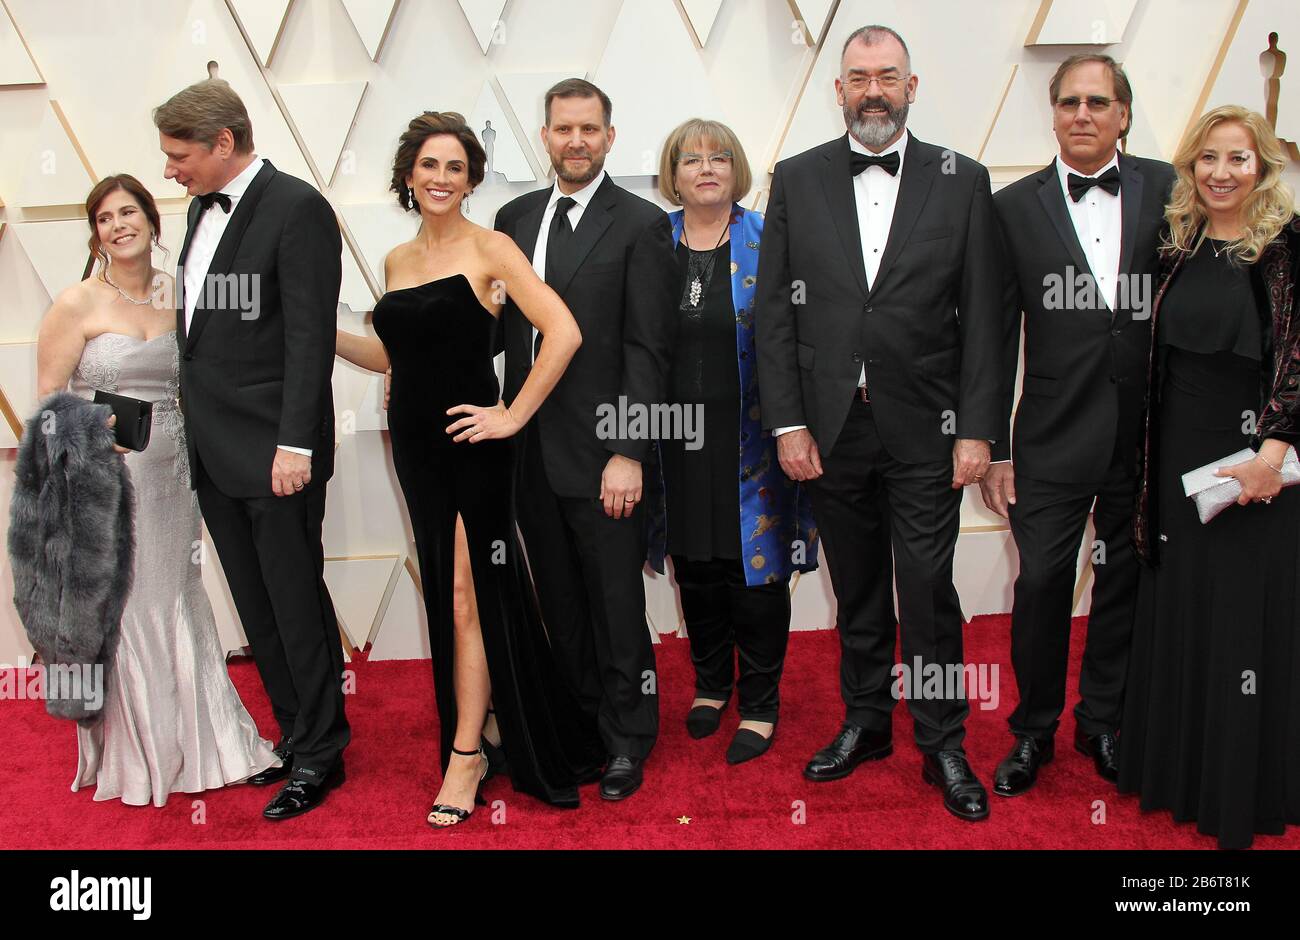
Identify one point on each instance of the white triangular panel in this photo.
(18, 379)
(372, 19)
(377, 228)
(483, 17)
(57, 250)
(324, 114)
(702, 14)
(647, 34)
(16, 65)
(25, 296)
(55, 174)
(402, 633)
(358, 586)
(507, 160)
(1086, 24)
(354, 291)
(814, 14)
(1023, 135)
(526, 96)
(263, 20)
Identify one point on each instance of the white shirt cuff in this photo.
(777, 432)
(295, 450)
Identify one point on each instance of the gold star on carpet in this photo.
(683, 820)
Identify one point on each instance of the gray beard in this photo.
(876, 131)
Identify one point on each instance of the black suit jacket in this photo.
(1085, 369)
(256, 376)
(619, 278)
(932, 329)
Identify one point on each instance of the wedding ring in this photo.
(298, 485)
(1267, 499)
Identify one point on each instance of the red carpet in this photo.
(392, 777)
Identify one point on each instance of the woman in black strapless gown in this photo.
(449, 433)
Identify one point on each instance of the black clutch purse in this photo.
(134, 419)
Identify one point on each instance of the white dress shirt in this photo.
(1099, 222)
(208, 230)
(582, 198)
(876, 195)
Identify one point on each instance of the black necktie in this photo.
(860, 161)
(221, 199)
(561, 230)
(1079, 185)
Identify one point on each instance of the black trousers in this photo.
(587, 571)
(868, 504)
(1048, 521)
(726, 617)
(270, 549)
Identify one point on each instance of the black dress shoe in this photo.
(622, 777)
(1104, 751)
(284, 751)
(963, 794)
(300, 796)
(703, 720)
(1019, 769)
(747, 745)
(851, 747)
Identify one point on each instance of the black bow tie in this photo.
(860, 161)
(1079, 185)
(221, 199)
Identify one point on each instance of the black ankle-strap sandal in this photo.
(443, 809)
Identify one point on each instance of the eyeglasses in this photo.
(695, 161)
(1096, 103)
(887, 83)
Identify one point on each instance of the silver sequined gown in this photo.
(173, 722)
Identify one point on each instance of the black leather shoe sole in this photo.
(929, 777)
(839, 774)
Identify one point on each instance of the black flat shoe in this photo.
(1019, 769)
(622, 777)
(963, 794)
(703, 720)
(851, 747)
(1103, 749)
(747, 745)
(300, 796)
(284, 751)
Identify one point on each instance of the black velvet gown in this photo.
(440, 342)
(1211, 726)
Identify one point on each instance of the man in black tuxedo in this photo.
(258, 298)
(1081, 238)
(880, 333)
(609, 255)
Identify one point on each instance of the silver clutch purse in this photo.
(1213, 494)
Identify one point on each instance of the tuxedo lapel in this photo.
(837, 182)
(229, 244)
(529, 226)
(596, 218)
(191, 223)
(1131, 184)
(919, 167)
(1053, 200)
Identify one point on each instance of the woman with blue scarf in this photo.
(735, 526)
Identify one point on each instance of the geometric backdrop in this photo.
(330, 84)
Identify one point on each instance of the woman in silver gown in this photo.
(172, 721)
